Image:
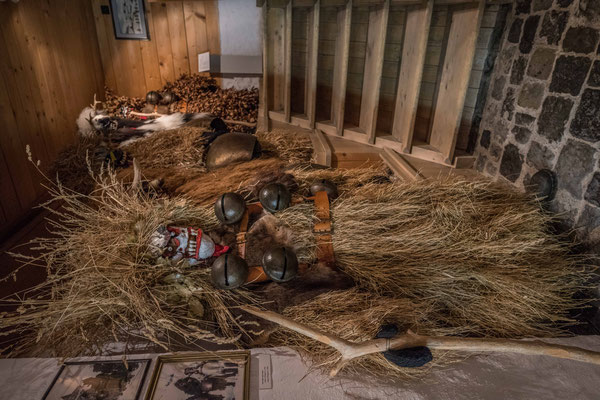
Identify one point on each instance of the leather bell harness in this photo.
(321, 230)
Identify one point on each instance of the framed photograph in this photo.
(109, 380)
(129, 19)
(210, 376)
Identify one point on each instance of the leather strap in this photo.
(322, 230)
(251, 209)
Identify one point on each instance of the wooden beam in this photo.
(265, 50)
(340, 67)
(322, 150)
(312, 54)
(287, 96)
(277, 57)
(399, 166)
(378, 18)
(418, 20)
(455, 78)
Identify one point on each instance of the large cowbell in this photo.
(232, 148)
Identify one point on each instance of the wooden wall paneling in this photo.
(439, 27)
(299, 38)
(325, 65)
(212, 26)
(276, 23)
(19, 68)
(163, 42)
(149, 55)
(378, 18)
(455, 78)
(95, 61)
(418, 21)
(50, 70)
(287, 94)
(9, 203)
(179, 46)
(118, 57)
(179, 31)
(77, 74)
(394, 41)
(340, 69)
(104, 44)
(265, 79)
(356, 64)
(310, 100)
(34, 86)
(13, 149)
(195, 30)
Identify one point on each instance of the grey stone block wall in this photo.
(543, 106)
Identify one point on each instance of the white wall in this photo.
(240, 30)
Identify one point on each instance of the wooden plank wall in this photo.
(50, 69)
(327, 42)
(299, 48)
(179, 30)
(391, 68)
(356, 63)
(392, 61)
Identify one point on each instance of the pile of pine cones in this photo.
(202, 94)
(114, 105)
(196, 93)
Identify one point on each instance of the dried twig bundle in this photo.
(183, 147)
(481, 255)
(72, 164)
(345, 179)
(293, 147)
(204, 188)
(105, 283)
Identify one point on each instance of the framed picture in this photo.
(129, 19)
(212, 376)
(99, 380)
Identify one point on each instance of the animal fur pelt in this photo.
(126, 131)
(84, 122)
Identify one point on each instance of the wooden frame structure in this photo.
(453, 77)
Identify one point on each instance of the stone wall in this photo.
(543, 106)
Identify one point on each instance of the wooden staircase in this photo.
(454, 72)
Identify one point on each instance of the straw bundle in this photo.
(479, 254)
(345, 179)
(103, 282)
(204, 188)
(293, 147)
(182, 147)
(176, 157)
(71, 165)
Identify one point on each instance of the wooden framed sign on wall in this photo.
(129, 19)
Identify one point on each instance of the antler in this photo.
(96, 102)
(350, 350)
(137, 176)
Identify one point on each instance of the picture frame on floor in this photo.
(207, 375)
(106, 379)
(129, 19)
